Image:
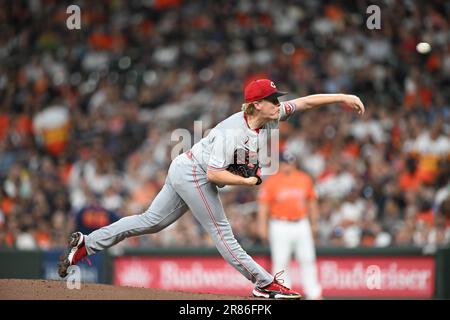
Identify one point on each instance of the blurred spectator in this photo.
(93, 216)
(25, 240)
(440, 233)
(349, 218)
(410, 179)
(392, 216)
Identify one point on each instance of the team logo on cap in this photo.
(273, 84)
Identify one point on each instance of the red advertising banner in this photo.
(406, 277)
(192, 274)
(402, 277)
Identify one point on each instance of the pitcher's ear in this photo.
(258, 104)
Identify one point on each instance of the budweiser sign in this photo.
(339, 276)
(199, 276)
(380, 277)
(194, 274)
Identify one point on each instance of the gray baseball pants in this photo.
(186, 187)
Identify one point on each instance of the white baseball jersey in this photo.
(232, 140)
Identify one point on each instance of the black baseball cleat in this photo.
(75, 252)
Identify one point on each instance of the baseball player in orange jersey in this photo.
(288, 199)
(193, 179)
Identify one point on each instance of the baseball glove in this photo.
(246, 170)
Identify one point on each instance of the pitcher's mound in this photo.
(23, 289)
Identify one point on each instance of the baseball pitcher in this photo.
(193, 179)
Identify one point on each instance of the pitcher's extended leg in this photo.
(165, 209)
(203, 199)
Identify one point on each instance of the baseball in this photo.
(423, 47)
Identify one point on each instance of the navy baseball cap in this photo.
(260, 89)
(288, 157)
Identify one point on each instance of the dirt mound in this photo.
(22, 289)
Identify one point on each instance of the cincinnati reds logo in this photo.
(273, 84)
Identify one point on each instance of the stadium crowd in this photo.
(87, 116)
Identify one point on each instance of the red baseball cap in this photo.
(260, 89)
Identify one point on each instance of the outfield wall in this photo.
(399, 273)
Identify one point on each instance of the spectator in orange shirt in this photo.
(409, 179)
(288, 199)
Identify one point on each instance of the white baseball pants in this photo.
(287, 237)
